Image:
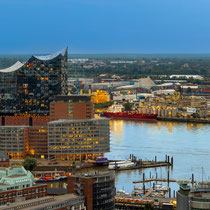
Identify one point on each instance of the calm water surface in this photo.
(188, 143)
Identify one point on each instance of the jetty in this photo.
(141, 164)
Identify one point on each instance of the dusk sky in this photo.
(105, 26)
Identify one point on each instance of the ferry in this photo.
(124, 164)
(116, 112)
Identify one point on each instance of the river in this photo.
(188, 143)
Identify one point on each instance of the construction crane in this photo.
(77, 81)
(83, 73)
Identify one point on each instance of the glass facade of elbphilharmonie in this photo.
(30, 87)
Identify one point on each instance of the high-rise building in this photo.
(98, 189)
(30, 87)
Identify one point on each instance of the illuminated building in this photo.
(78, 139)
(30, 87)
(100, 96)
(19, 141)
(98, 189)
(12, 141)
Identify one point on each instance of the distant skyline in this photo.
(105, 26)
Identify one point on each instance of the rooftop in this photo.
(52, 56)
(12, 68)
(42, 203)
(77, 120)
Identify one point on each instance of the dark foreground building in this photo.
(30, 87)
(98, 190)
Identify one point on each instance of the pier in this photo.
(141, 164)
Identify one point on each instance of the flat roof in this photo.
(77, 120)
(74, 98)
(41, 202)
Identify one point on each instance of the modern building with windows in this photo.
(12, 141)
(19, 141)
(98, 189)
(30, 87)
(78, 139)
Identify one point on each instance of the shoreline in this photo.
(188, 120)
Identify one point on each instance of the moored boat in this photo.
(120, 165)
(116, 112)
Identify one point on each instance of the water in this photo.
(188, 143)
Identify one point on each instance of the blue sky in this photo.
(105, 26)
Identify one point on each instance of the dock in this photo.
(141, 164)
(156, 180)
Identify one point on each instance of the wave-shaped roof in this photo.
(12, 68)
(52, 56)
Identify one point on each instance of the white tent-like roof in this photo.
(52, 56)
(144, 83)
(12, 68)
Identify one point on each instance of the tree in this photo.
(127, 106)
(30, 163)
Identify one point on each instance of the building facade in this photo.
(17, 184)
(4, 160)
(30, 87)
(78, 139)
(98, 189)
(71, 107)
(20, 141)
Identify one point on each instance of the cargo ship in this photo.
(116, 112)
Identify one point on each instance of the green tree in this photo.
(148, 207)
(128, 106)
(30, 163)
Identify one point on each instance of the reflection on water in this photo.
(188, 143)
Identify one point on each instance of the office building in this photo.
(71, 107)
(20, 141)
(78, 139)
(98, 189)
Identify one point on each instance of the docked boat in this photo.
(99, 161)
(116, 112)
(56, 178)
(119, 165)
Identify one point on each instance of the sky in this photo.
(104, 26)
